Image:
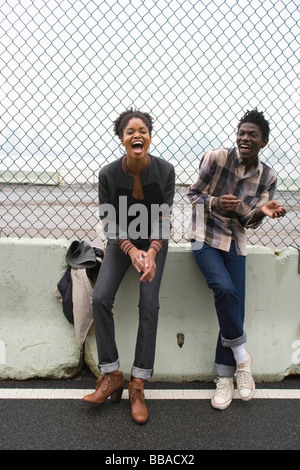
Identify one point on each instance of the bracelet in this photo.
(125, 245)
(156, 245)
(218, 203)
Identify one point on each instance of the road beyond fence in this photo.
(71, 212)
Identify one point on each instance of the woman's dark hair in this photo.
(256, 117)
(122, 121)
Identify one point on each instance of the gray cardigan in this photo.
(115, 199)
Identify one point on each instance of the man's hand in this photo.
(227, 202)
(273, 210)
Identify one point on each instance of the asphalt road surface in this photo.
(46, 418)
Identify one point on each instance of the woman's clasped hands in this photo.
(144, 261)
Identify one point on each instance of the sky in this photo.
(68, 68)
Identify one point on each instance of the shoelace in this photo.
(222, 385)
(244, 377)
(137, 393)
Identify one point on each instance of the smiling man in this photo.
(235, 189)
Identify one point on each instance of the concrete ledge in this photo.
(35, 338)
(37, 341)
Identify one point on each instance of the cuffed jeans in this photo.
(225, 275)
(113, 268)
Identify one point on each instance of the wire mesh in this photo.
(68, 69)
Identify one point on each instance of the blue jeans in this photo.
(113, 268)
(225, 275)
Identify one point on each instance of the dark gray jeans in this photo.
(114, 266)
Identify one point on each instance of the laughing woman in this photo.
(136, 183)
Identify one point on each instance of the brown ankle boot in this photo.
(107, 385)
(139, 410)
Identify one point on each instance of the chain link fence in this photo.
(69, 68)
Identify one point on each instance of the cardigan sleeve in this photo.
(161, 224)
(107, 212)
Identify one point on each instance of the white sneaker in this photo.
(223, 394)
(244, 379)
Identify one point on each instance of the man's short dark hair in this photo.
(256, 117)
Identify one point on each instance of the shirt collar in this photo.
(239, 161)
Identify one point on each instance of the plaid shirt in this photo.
(223, 172)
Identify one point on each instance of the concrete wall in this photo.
(36, 340)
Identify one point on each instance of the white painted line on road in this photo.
(77, 394)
